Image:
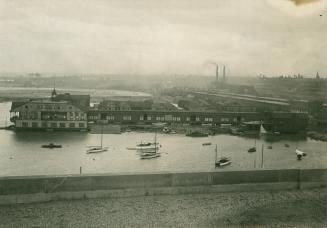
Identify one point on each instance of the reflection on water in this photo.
(26, 137)
(21, 153)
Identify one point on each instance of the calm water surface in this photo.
(21, 152)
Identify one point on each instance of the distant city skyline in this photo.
(250, 37)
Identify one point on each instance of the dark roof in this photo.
(81, 101)
(290, 115)
(16, 104)
(269, 102)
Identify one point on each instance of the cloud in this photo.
(248, 36)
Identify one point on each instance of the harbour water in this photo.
(21, 152)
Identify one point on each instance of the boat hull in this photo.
(252, 149)
(149, 156)
(154, 149)
(51, 146)
(100, 150)
(206, 144)
(143, 148)
(221, 164)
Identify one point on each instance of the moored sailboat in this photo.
(150, 152)
(222, 161)
(144, 146)
(97, 149)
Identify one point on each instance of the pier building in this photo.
(287, 122)
(60, 112)
(73, 112)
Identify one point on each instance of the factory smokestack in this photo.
(217, 73)
(317, 75)
(224, 74)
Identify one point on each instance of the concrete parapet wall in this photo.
(46, 188)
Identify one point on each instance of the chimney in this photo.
(317, 75)
(224, 74)
(216, 73)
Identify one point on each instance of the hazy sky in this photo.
(163, 36)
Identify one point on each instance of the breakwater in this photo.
(46, 188)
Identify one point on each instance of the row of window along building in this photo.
(73, 112)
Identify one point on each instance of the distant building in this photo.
(125, 104)
(60, 112)
(259, 104)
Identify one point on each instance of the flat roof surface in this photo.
(246, 98)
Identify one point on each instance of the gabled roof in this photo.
(16, 104)
(81, 101)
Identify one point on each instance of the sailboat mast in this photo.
(216, 154)
(101, 134)
(262, 156)
(155, 142)
(155, 138)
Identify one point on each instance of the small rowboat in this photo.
(223, 161)
(252, 149)
(149, 155)
(206, 144)
(51, 146)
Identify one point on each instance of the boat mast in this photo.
(216, 153)
(101, 134)
(155, 142)
(262, 156)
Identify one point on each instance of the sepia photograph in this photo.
(172, 113)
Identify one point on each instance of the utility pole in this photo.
(262, 156)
